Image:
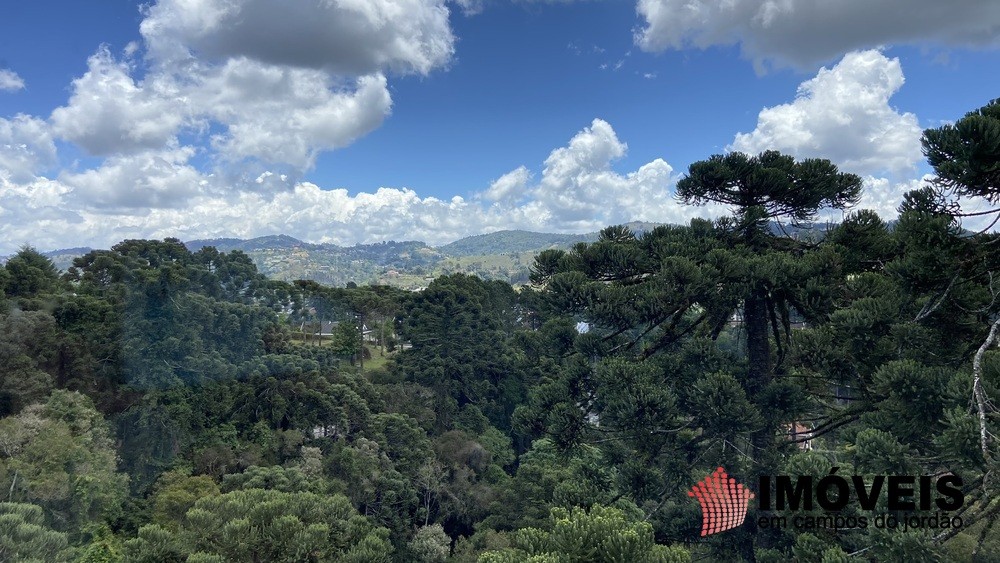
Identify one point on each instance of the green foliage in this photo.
(547, 477)
(458, 328)
(964, 154)
(29, 274)
(104, 547)
(265, 525)
(28, 353)
(25, 537)
(721, 407)
(917, 546)
(561, 422)
(430, 544)
(771, 181)
(602, 534)
(176, 493)
(60, 456)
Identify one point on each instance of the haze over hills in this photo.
(501, 255)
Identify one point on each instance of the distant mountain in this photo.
(259, 243)
(505, 242)
(63, 258)
(640, 227)
(287, 258)
(503, 255)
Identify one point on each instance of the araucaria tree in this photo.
(663, 382)
(760, 189)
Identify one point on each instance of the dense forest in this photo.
(164, 405)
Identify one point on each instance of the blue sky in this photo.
(360, 121)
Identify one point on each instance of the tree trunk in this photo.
(759, 373)
(755, 319)
(361, 329)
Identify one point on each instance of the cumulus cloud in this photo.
(159, 193)
(883, 195)
(351, 37)
(25, 146)
(843, 114)
(36, 210)
(109, 112)
(10, 81)
(47, 213)
(280, 115)
(803, 33)
(580, 191)
(287, 115)
(136, 183)
(254, 80)
(510, 187)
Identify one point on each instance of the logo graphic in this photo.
(723, 502)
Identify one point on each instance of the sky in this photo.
(359, 121)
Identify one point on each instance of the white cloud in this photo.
(136, 183)
(579, 190)
(843, 114)
(287, 115)
(470, 7)
(510, 187)
(10, 81)
(35, 211)
(269, 82)
(25, 146)
(883, 195)
(277, 114)
(159, 193)
(348, 37)
(803, 33)
(110, 113)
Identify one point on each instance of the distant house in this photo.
(795, 321)
(326, 329)
(797, 432)
(736, 320)
(368, 334)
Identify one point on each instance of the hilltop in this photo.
(502, 255)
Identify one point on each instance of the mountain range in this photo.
(502, 255)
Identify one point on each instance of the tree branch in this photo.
(929, 308)
(979, 394)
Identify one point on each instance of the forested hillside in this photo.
(159, 404)
(502, 255)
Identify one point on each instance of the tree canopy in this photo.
(159, 404)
